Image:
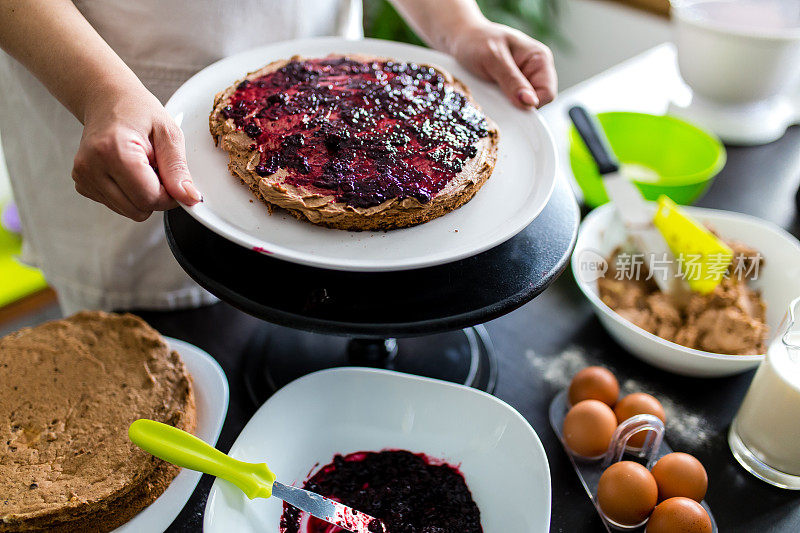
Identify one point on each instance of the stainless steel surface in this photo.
(632, 207)
(637, 215)
(323, 508)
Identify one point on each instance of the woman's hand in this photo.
(127, 132)
(132, 156)
(522, 66)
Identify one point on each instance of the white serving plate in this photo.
(515, 194)
(211, 396)
(778, 281)
(345, 410)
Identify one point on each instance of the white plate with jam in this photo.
(514, 195)
(348, 410)
(211, 398)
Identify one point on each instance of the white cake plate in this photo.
(515, 194)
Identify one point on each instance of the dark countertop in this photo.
(540, 349)
(543, 343)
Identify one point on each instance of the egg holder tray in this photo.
(589, 470)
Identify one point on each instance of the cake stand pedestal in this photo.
(423, 321)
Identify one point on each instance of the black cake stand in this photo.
(424, 321)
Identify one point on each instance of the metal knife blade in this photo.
(637, 215)
(326, 509)
(634, 211)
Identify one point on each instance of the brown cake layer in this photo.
(70, 390)
(731, 319)
(323, 208)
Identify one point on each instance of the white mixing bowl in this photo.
(778, 281)
(738, 51)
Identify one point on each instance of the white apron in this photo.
(94, 258)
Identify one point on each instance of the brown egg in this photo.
(638, 403)
(680, 474)
(594, 383)
(679, 515)
(588, 428)
(627, 493)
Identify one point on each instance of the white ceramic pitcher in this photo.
(765, 435)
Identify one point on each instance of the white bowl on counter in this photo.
(345, 410)
(778, 281)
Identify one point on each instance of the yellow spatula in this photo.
(703, 256)
(703, 259)
(256, 480)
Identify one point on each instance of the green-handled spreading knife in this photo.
(256, 480)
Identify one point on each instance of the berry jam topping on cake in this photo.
(409, 493)
(389, 129)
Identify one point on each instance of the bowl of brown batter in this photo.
(719, 334)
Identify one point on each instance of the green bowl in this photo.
(685, 157)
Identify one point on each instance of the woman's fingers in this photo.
(501, 67)
(545, 84)
(130, 168)
(141, 185)
(523, 68)
(113, 168)
(117, 200)
(89, 192)
(170, 158)
(104, 190)
(535, 62)
(93, 194)
(124, 141)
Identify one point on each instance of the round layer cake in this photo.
(70, 389)
(356, 142)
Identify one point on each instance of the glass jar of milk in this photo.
(765, 435)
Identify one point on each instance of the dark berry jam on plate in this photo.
(362, 132)
(409, 493)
